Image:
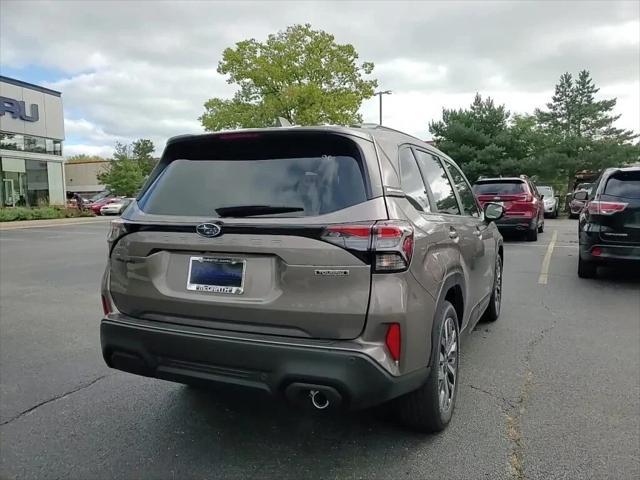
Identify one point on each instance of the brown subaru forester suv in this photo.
(332, 266)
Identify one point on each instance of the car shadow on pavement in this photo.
(245, 429)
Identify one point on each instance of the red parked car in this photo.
(98, 204)
(524, 208)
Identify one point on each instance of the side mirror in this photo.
(493, 212)
(581, 195)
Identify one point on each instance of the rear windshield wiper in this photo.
(251, 210)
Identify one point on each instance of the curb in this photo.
(25, 224)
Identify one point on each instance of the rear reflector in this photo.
(393, 341)
(605, 208)
(596, 251)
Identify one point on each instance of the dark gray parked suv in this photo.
(333, 266)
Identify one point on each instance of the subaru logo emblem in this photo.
(208, 230)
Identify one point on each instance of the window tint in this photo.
(624, 184)
(439, 183)
(411, 181)
(499, 187)
(306, 186)
(464, 190)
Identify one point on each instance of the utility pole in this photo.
(380, 94)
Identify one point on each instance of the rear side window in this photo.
(464, 190)
(499, 187)
(411, 181)
(266, 179)
(439, 184)
(623, 184)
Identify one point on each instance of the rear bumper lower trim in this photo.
(186, 355)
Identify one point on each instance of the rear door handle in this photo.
(452, 233)
(477, 232)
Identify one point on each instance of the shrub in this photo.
(40, 213)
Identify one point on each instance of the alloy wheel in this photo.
(448, 364)
(497, 288)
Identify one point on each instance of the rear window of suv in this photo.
(499, 187)
(624, 184)
(247, 176)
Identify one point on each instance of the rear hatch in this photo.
(232, 235)
(618, 208)
(513, 194)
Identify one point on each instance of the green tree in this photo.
(574, 111)
(142, 152)
(124, 175)
(299, 74)
(478, 138)
(577, 131)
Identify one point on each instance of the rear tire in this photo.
(423, 409)
(492, 312)
(586, 269)
(532, 235)
(541, 227)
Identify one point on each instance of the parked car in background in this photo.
(116, 207)
(577, 202)
(301, 262)
(609, 226)
(524, 211)
(98, 204)
(584, 186)
(550, 201)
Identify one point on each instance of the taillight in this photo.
(118, 229)
(393, 341)
(106, 305)
(390, 242)
(597, 207)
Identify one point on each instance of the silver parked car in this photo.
(550, 201)
(332, 266)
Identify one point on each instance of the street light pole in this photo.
(380, 94)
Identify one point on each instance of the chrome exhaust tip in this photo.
(318, 399)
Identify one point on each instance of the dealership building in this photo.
(31, 136)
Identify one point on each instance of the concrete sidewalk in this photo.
(57, 222)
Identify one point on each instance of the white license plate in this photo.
(216, 275)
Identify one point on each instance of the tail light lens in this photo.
(106, 305)
(118, 229)
(596, 207)
(390, 242)
(393, 341)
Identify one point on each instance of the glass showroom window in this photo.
(37, 183)
(11, 141)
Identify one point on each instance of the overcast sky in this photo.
(144, 69)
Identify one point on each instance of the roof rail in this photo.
(376, 126)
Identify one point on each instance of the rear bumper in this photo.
(520, 224)
(610, 254)
(185, 354)
(618, 253)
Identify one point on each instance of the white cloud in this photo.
(77, 149)
(135, 71)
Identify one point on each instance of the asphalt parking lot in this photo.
(551, 390)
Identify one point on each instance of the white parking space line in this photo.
(544, 272)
